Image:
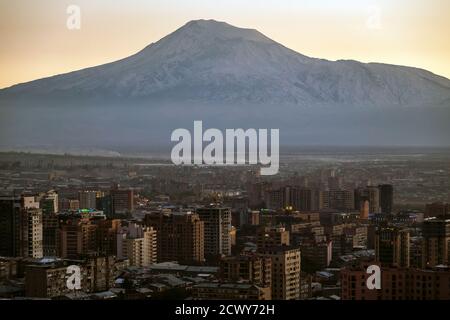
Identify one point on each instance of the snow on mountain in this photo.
(230, 78)
(210, 61)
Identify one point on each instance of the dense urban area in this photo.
(142, 228)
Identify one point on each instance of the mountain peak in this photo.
(205, 28)
(213, 61)
(206, 22)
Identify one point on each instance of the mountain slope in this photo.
(213, 62)
(230, 78)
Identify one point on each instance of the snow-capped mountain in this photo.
(230, 78)
(212, 61)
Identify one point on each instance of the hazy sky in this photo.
(35, 41)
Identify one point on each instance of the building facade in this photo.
(285, 272)
(180, 236)
(217, 227)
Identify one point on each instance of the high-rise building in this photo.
(436, 242)
(317, 253)
(292, 198)
(106, 237)
(386, 198)
(46, 281)
(69, 204)
(415, 255)
(180, 236)
(252, 268)
(88, 199)
(285, 272)
(70, 240)
(79, 237)
(122, 201)
(104, 203)
(253, 217)
(48, 202)
(31, 233)
(50, 280)
(371, 194)
(9, 221)
(50, 235)
(346, 238)
(279, 198)
(357, 235)
(308, 199)
(142, 252)
(217, 226)
(30, 202)
(392, 246)
(304, 200)
(272, 236)
(337, 199)
(396, 284)
(89, 237)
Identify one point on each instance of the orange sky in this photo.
(36, 42)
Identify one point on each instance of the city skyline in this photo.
(250, 152)
(313, 232)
